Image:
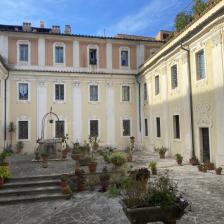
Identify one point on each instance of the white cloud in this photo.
(147, 16)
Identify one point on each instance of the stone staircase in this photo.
(30, 189)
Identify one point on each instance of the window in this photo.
(174, 82)
(126, 93)
(94, 128)
(145, 92)
(59, 129)
(176, 126)
(59, 92)
(158, 128)
(124, 58)
(93, 92)
(200, 65)
(23, 52)
(59, 54)
(93, 56)
(146, 127)
(126, 124)
(157, 85)
(23, 130)
(23, 91)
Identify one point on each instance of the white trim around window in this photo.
(121, 93)
(98, 86)
(129, 57)
(29, 91)
(59, 44)
(121, 126)
(21, 42)
(54, 89)
(93, 46)
(23, 118)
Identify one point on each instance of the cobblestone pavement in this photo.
(205, 191)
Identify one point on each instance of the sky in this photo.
(96, 17)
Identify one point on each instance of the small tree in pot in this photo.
(179, 158)
(104, 180)
(94, 145)
(162, 151)
(118, 159)
(152, 166)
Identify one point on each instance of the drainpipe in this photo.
(139, 105)
(191, 98)
(5, 114)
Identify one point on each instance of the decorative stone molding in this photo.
(216, 40)
(109, 84)
(41, 83)
(203, 111)
(75, 83)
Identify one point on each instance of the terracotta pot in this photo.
(1, 181)
(162, 155)
(210, 166)
(154, 171)
(81, 187)
(218, 171)
(194, 162)
(76, 156)
(104, 185)
(92, 167)
(63, 184)
(179, 162)
(129, 158)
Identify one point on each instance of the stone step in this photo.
(34, 178)
(32, 198)
(29, 191)
(32, 183)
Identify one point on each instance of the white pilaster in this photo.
(77, 112)
(187, 137)
(110, 114)
(217, 60)
(41, 105)
(76, 54)
(4, 46)
(140, 54)
(109, 56)
(138, 137)
(41, 52)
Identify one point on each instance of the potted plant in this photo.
(141, 174)
(162, 151)
(4, 174)
(1, 180)
(3, 161)
(202, 168)
(152, 166)
(194, 161)
(76, 152)
(80, 179)
(179, 158)
(66, 190)
(218, 171)
(19, 146)
(44, 157)
(159, 202)
(64, 180)
(118, 159)
(209, 165)
(64, 146)
(11, 130)
(104, 180)
(94, 145)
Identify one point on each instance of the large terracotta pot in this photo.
(162, 155)
(76, 156)
(92, 167)
(179, 162)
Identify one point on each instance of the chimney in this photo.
(55, 29)
(42, 24)
(68, 29)
(27, 26)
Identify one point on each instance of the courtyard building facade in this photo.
(164, 93)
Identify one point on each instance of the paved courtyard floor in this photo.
(205, 191)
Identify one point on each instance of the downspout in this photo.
(139, 104)
(191, 98)
(5, 114)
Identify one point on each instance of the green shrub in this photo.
(118, 158)
(4, 172)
